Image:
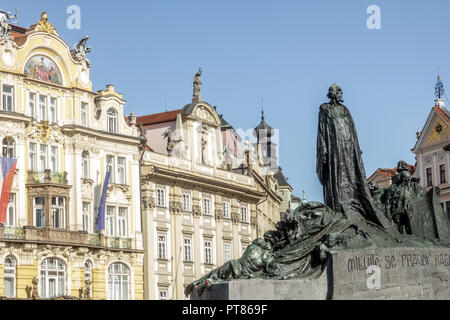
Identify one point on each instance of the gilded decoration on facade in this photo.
(45, 26)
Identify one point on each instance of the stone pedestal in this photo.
(391, 273)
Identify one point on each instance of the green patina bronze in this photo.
(356, 215)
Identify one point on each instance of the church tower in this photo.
(264, 135)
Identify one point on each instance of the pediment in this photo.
(435, 132)
(203, 112)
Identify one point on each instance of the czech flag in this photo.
(101, 208)
(8, 167)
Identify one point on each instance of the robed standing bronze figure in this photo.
(339, 164)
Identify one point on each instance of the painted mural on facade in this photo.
(43, 69)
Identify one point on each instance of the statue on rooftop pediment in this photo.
(81, 50)
(5, 28)
(197, 97)
(45, 26)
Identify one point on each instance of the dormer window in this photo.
(112, 120)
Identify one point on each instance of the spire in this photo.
(439, 92)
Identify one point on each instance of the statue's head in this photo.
(44, 17)
(402, 166)
(335, 93)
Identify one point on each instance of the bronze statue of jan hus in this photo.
(339, 163)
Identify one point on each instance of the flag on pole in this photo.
(8, 167)
(101, 208)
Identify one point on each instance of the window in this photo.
(244, 214)
(110, 167)
(85, 165)
(208, 252)
(121, 170)
(42, 108)
(54, 159)
(8, 147)
(447, 204)
(163, 294)
(32, 157)
(207, 206)
(226, 210)
(187, 249)
(31, 105)
(88, 276)
(52, 281)
(11, 217)
(162, 247)
(186, 200)
(226, 251)
(52, 110)
(112, 120)
(429, 177)
(86, 216)
(442, 173)
(161, 197)
(58, 210)
(118, 282)
(110, 221)
(84, 114)
(8, 98)
(43, 157)
(39, 205)
(123, 222)
(10, 277)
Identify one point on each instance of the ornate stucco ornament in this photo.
(45, 26)
(44, 132)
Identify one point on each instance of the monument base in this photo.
(388, 273)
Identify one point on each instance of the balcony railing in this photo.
(14, 233)
(119, 243)
(47, 177)
(94, 239)
(52, 235)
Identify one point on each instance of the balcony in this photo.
(47, 177)
(63, 236)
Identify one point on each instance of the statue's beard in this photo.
(337, 99)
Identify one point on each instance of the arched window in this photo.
(85, 165)
(88, 277)
(52, 280)
(8, 147)
(10, 277)
(118, 282)
(112, 120)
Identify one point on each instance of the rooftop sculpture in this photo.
(5, 28)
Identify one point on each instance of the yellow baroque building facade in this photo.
(65, 138)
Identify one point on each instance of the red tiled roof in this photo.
(158, 118)
(442, 113)
(393, 172)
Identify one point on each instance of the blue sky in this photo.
(285, 52)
